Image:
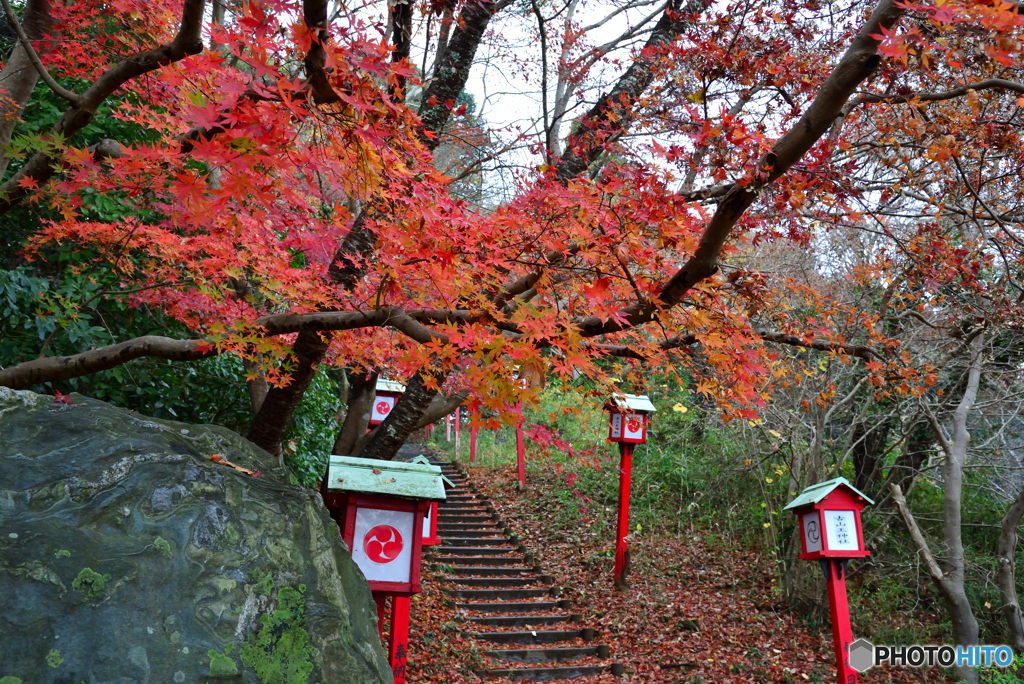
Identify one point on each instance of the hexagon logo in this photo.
(862, 655)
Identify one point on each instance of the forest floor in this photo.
(696, 612)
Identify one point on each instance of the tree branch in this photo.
(60, 90)
(188, 41)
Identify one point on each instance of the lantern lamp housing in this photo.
(380, 507)
(629, 418)
(829, 516)
(430, 537)
(388, 392)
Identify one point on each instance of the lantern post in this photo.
(472, 435)
(831, 533)
(382, 509)
(448, 428)
(458, 422)
(629, 420)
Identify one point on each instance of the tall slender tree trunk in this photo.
(1005, 572)
(949, 578)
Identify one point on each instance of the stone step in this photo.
(496, 594)
(547, 674)
(474, 541)
(473, 550)
(519, 620)
(446, 513)
(539, 636)
(524, 607)
(479, 560)
(458, 505)
(458, 534)
(448, 525)
(491, 581)
(548, 655)
(463, 518)
(480, 571)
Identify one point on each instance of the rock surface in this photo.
(128, 557)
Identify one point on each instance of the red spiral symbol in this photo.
(382, 544)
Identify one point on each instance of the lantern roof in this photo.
(623, 403)
(390, 386)
(421, 481)
(422, 459)
(816, 492)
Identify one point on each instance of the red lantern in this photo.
(831, 533)
(381, 507)
(388, 392)
(829, 515)
(629, 418)
(627, 426)
(430, 537)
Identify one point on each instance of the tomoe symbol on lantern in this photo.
(382, 544)
(383, 407)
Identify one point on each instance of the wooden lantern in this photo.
(381, 506)
(829, 515)
(629, 418)
(831, 533)
(430, 537)
(388, 392)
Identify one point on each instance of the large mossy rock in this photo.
(128, 556)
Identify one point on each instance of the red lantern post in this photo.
(831, 533)
(520, 449)
(458, 422)
(628, 424)
(382, 508)
(472, 437)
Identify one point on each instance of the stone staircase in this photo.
(503, 598)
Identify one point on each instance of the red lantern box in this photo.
(430, 537)
(629, 418)
(381, 506)
(388, 392)
(829, 515)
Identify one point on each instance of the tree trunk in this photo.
(867, 450)
(1005, 572)
(18, 78)
(950, 578)
(268, 428)
(953, 592)
(965, 626)
(360, 406)
(396, 428)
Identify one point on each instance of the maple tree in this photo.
(284, 203)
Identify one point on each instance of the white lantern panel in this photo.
(633, 426)
(382, 544)
(426, 522)
(812, 532)
(841, 530)
(616, 425)
(382, 407)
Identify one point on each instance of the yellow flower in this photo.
(773, 433)
(767, 524)
(680, 408)
(769, 480)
